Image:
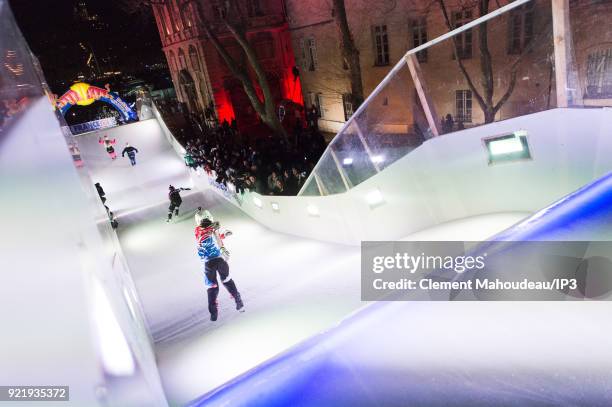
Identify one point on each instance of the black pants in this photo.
(214, 266)
(174, 207)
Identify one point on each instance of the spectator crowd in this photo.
(268, 165)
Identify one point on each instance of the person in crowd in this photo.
(448, 123)
(263, 164)
(189, 161)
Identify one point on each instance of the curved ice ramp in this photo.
(449, 178)
(477, 354)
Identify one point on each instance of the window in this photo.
(418, 29)
(303, 59)
(162, 20)
(175, 19)
(599, 74)
(195, 60)
(219, 10)
(172, 61)
(167, 20)
(316, 100)
(187, 15)
(312, 54)
(381, 45)
(347, 102)
(463, 40)
(520, 29)
(320, 106)
(264, 49)
(254, 8)
(463, 103)
(181, 57)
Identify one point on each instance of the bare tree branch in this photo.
(475, 91)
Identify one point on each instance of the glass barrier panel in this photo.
(590, 70)
(329, 176)
(354, 156)
(393, 123)
(500, 69)
(19, 80)
(311, 188)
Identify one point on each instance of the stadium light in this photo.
(347, 161)
(374, 198)
(507, 147)
(312, 210)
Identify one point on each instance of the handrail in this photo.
(401, 63)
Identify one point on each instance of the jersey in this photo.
(131, 151)
(175, 195)
(108, 144)
(208, 243)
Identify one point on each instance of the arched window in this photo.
(176, 18)
(197, 12)
(162, 20)
(172, 61)
(166, 17)
(194, 58)
(181, 58)
(187, 15)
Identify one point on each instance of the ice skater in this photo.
(202, 214)
(175, 201)
(209, 249)
(76, 154)
(108, 144)
(131, 152)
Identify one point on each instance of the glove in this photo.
(225, 252)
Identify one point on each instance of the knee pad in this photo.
(209, 284)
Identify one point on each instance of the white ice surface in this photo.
(293, 288)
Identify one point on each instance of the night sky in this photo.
(62, 41)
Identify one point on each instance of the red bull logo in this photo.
(82, 94)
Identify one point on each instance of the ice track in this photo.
(293, 288)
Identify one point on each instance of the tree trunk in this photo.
(350, 53)
(486, 66)
(266, 109)
(269, 115)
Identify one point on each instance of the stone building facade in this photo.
(200, 76)
(288, 33)
(384, 30)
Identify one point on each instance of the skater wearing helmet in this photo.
(175, 201)
(202, 214)
(209, 249)
(108, 145)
